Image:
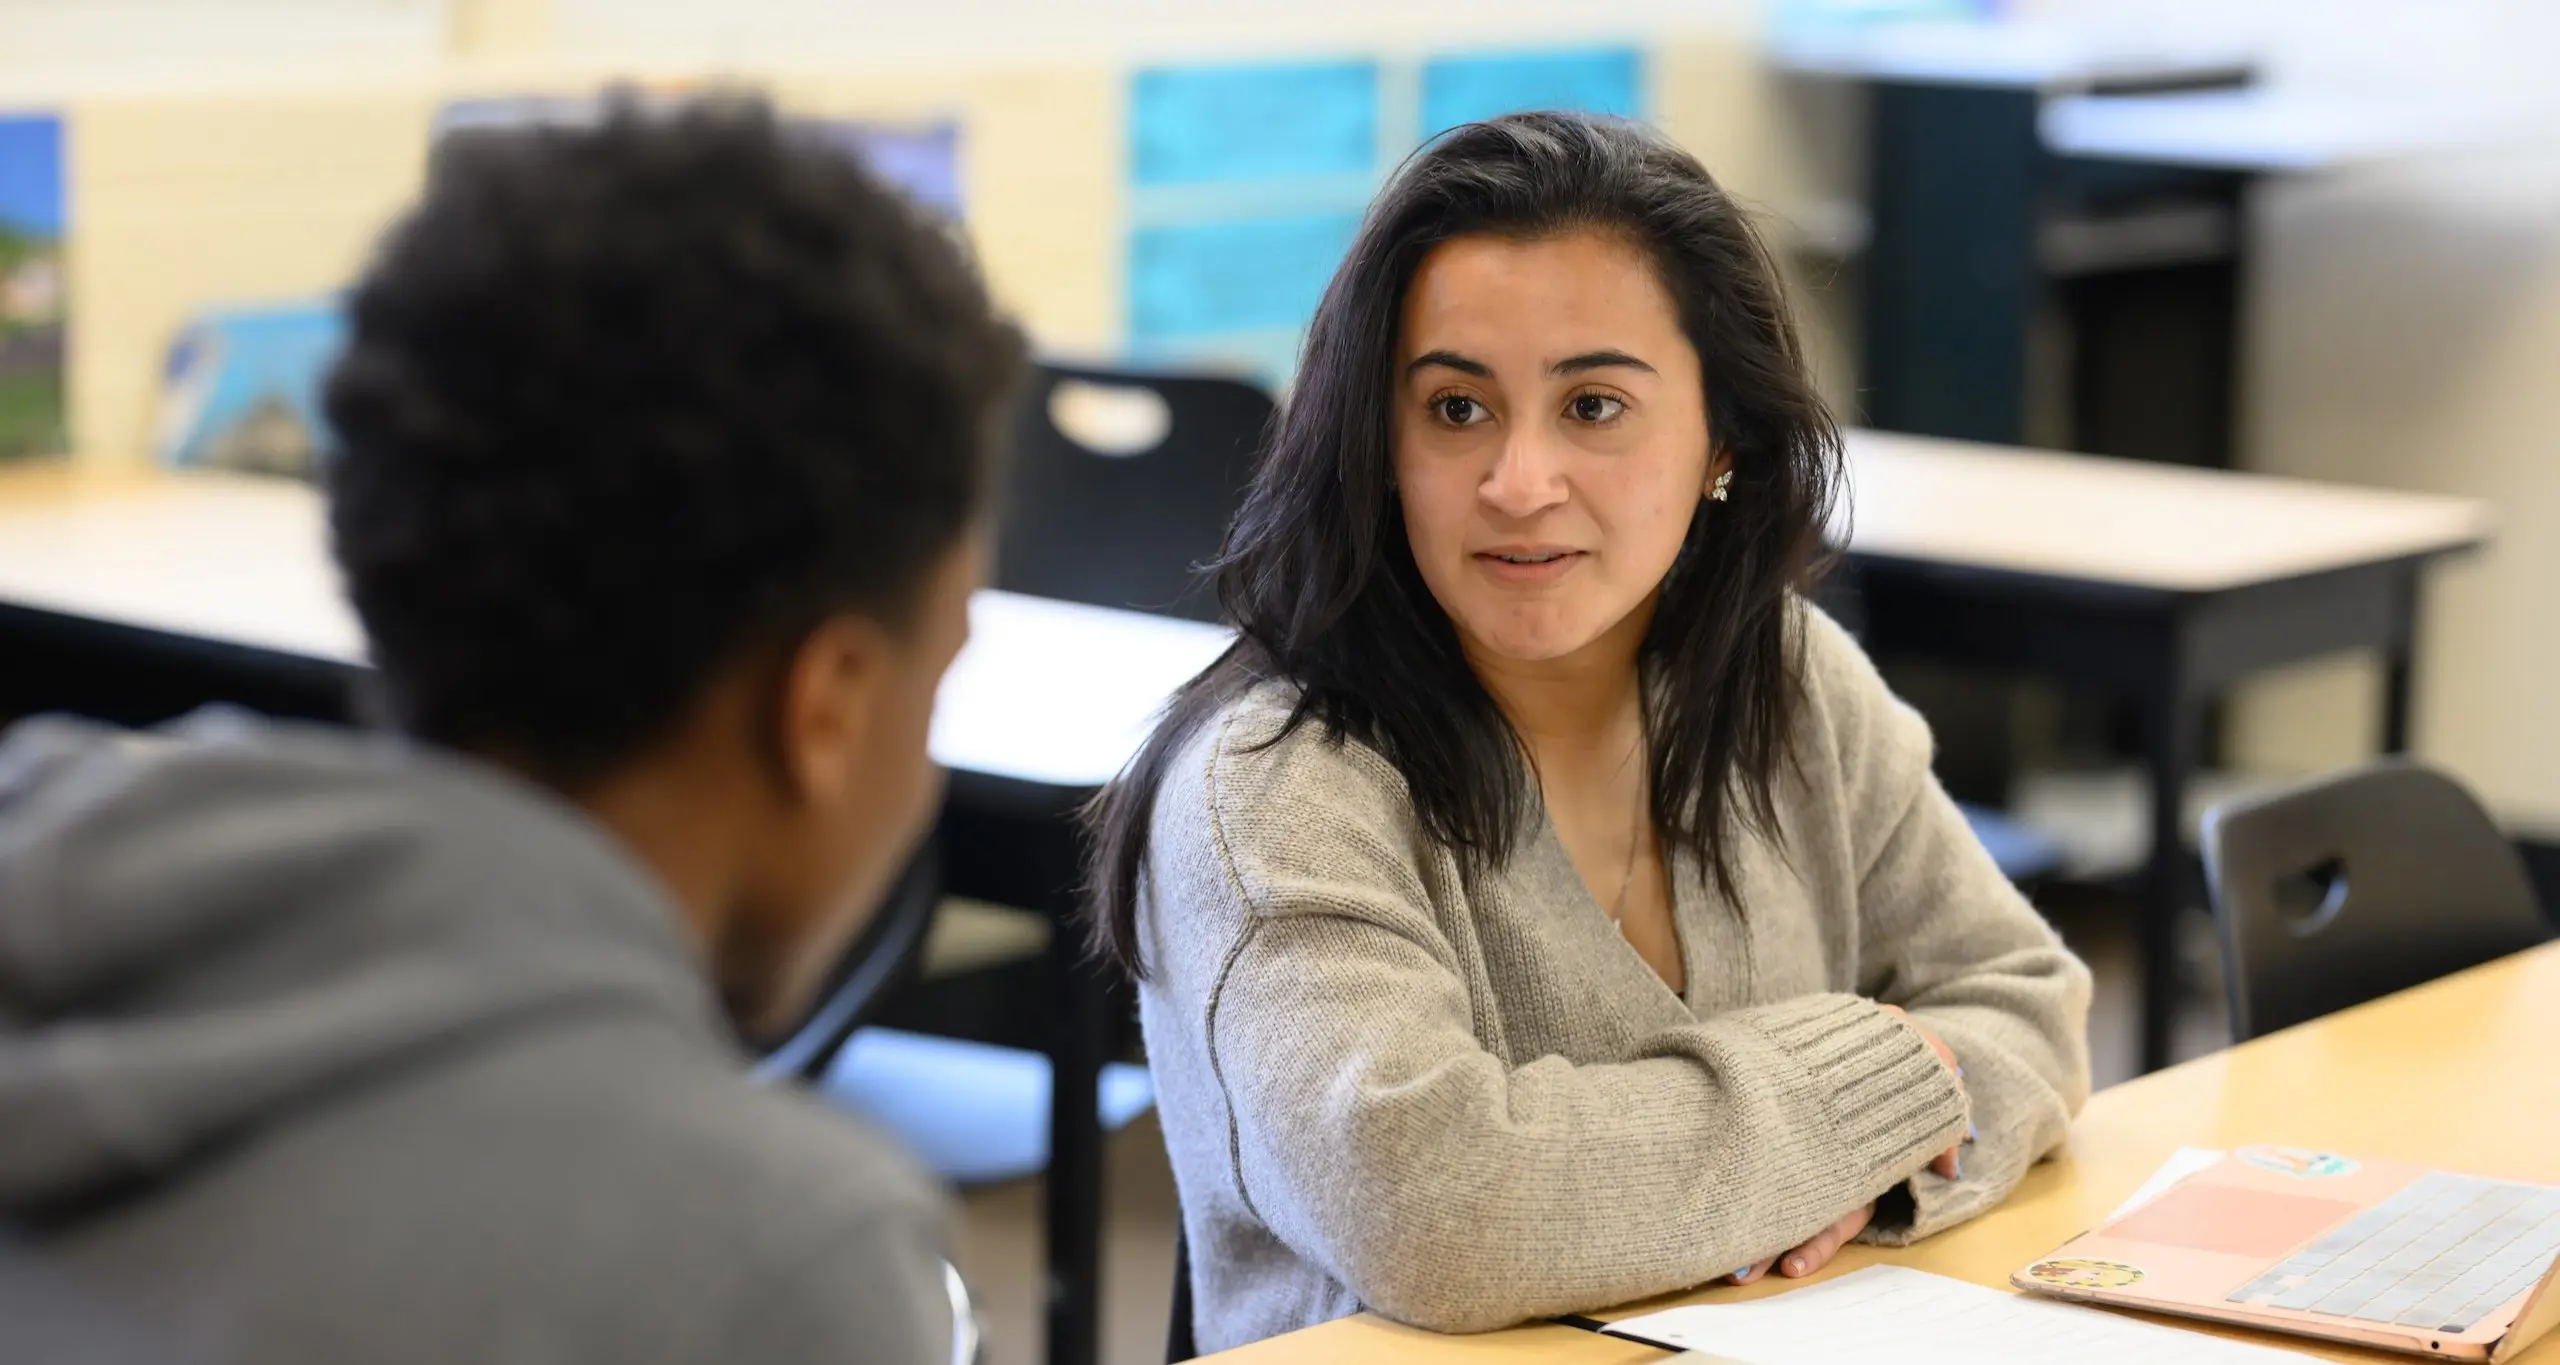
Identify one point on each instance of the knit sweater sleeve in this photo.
(1944, 934)
(1452, 1188)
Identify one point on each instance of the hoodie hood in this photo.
(207, 928)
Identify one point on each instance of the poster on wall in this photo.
(1247, 181)
(242, 388)
(34, 306)
(921, 158)
(242, 385)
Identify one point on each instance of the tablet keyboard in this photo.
(2440, 1255)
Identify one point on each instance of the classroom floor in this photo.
(1000, 1233)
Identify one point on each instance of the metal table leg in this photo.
(2399, 663)
(2172, 724)
(1074, 1213)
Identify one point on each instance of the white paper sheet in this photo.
(2186, 1161)
(1913, 1318)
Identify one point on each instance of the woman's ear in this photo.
(1719, 470)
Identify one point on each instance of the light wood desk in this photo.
(2163, 584)
(2456, 1074)
(228, 580)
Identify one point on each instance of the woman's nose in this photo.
(1526, 478)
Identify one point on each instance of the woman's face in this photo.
(1551, 438)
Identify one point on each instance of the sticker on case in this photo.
(2298, 1161)
(2078, 1272)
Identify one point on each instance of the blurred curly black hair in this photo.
(622, 403)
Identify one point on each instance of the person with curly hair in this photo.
(662, 453)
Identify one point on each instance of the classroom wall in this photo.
(132, 41)
(262, 182)
(1100, 30)
(2404, 322)
(2404, 330)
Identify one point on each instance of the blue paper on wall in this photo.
(1194, 125)
(1472, 87)
(1193, 279)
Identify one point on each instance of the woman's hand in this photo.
(1816, 1252)
(1822, 1246)
(1950, 1163)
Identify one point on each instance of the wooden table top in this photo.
(2456, 1074)
(2129, 523)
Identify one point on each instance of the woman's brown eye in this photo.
(1595, 407)
(1458, 411)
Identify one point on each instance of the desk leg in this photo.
(2399, 660)
(1074, 1214)
(2173, 723)
(2396, 668)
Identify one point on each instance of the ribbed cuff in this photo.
(1894, 1105)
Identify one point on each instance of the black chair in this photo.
(1124, 527)
(2352, 886)
(883, 956)
(1180, 1345)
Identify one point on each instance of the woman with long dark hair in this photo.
(1542, 906)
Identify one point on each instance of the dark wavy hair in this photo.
(623, 405)
(1320, 580)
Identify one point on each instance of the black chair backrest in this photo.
(1126, 527)
(879, 959)
(2349, 887)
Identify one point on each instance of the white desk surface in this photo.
(2262, 130)
(1061, 693)
(2017, 53)
(1045, 691)
(2129, 523)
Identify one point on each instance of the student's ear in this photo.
(1719, 463)
(830, 689)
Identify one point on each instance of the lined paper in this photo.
(1914, 1318)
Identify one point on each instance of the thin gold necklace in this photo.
(1635, 838)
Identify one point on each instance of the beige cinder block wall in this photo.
(237, 177)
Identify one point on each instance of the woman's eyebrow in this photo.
(1449, 360)
(1597, 360)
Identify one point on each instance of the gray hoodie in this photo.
(317, 1047)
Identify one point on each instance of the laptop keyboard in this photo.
(2439, 1255)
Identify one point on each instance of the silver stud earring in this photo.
(1723, 491)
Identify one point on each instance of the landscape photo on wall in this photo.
(34, 311)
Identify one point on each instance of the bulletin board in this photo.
(1247, 181)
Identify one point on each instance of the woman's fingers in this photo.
(1936, 1044)
(1817, 1253)
(1950, 1163)
(1817, 1250)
